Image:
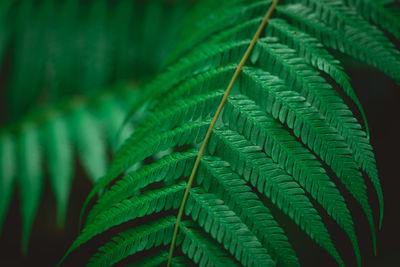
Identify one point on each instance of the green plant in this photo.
(81, 124)
(55, 49)
(285, 126)
(71, 69)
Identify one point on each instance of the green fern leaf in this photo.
(379, 14)
(309, 47)
(314, 54)
(201, 249)
(167, 168)
(293, 110)
(218, 220)
(90, 144)
(30, 180)
(287, 152)
(154, 260)
(129, 209)
(159, 259)
(125, 157)
(47, 136)
(197, 62)
(7, 174)
(218, 178)
(302, 78)
(201, 83)
(59, 157)
(276, 184)
(351, 40)
(193, 108)
(69, 47)
(133, 240)
(223, 18)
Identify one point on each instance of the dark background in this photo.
(380, 97)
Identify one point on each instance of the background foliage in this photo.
(69, 72)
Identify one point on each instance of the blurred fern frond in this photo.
(54, 50)
(86, 126)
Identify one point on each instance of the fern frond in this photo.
(160, 259)
(60, 163)
(131, 241)
(222, 18)
(331, 22)
(192, 108)
(154, 260)
(125, 157)
(7, 173)
(316, 55)
(269, 178)
(199, 84)
(325, 193)
(129, 209)
(50, 136)
(375, 50)
(201, 249)
(196, 246)
(90, 144)
(30, 179)
(218, 178)
(308, 47)
(302, 78)
(284, 128)
(308, 124)
(223, 225)
(167, 168)
(285, 150)
(63, 48)
(181, 262)
(197, 62)
(378, 13)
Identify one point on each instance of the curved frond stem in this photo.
(216, 116)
